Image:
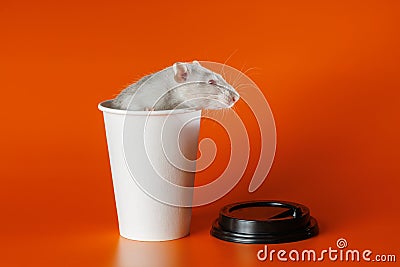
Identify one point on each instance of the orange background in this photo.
(329, 70)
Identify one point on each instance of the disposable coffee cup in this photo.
(152, 156)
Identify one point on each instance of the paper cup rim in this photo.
(106, 107)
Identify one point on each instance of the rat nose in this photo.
(235, 97)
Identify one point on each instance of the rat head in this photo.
(201, 88)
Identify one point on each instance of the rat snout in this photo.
(234, 97)
(231, 97)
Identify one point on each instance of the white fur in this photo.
(162, 91)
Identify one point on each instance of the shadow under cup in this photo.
(152, 157)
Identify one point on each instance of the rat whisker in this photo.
(243, 74)
(226, 61)
(224, 113)
(247, 85)
(231, 81)
(243, 94)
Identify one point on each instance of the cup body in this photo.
(147, 149)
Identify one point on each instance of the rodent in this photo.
(182, 85)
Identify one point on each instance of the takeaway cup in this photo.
(152, 156)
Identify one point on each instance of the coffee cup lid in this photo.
(263, 222)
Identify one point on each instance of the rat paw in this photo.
(148, 109)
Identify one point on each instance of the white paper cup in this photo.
(145, 150)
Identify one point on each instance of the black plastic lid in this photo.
(264, 222)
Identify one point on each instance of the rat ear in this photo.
(196, 62)
(180, 71)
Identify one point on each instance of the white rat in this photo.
(183, 85)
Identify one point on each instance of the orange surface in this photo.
(330, 72)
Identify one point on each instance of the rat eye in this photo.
(212, 82)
